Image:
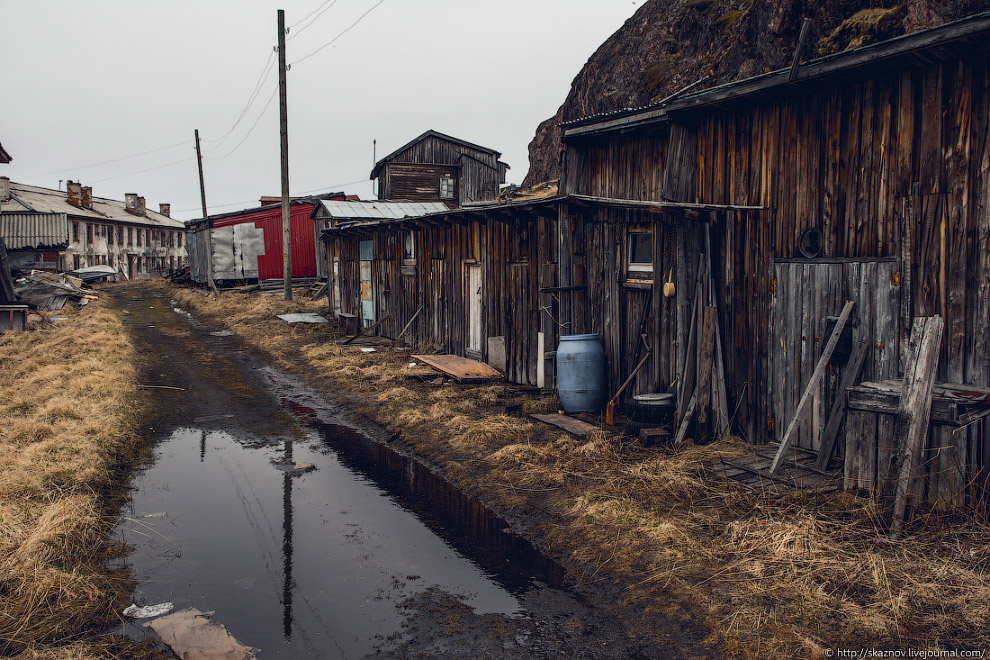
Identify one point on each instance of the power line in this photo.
(342, 33)
(253, 126)
(306, 192)
(112, 160)
(157, 167)
(331, 3)
(269, 63)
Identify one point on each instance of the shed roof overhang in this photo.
(967, 38)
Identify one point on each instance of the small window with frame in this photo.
(409, 247)
(446, 187)
(640, 254)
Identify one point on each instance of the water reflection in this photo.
(287, 584)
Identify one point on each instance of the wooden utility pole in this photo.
(284, 133)
(202, 197)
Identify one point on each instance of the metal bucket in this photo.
(581, 373)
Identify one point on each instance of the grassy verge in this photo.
(67, 411)
(790, 576)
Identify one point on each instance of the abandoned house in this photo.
(439, 168)
(246, 245)
(753, 210)
(60, 230)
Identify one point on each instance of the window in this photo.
(75, 262)
(75, 232)
(147, 237)
(138, 232)
(103, 231)
(178, 238)
(109, 234)
(89, 233)
(130, 236)
(446, 187)
(120, 236)
(640, 253)
(409, 250)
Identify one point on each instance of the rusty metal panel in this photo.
(459, 368)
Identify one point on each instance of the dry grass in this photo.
(766, 576)
(67, 409)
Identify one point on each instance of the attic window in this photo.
(446, 187)
(640, 253)
(409, 250)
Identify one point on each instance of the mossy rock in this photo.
(654, 77)
(865, 27)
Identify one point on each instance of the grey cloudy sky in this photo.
(88, 82)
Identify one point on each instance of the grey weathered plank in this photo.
(812, 385)
(849, 376)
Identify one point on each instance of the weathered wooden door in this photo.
(474, 311)
(367, 287)
(803, 294)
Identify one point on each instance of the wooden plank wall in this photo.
(515, 253)
(894, 166)
(804, 294)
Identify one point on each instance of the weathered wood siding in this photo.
(417, 183)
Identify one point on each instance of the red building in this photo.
(247, 245)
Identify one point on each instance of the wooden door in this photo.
(474, 311)
(803, 294)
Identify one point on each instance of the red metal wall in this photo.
(302, 235)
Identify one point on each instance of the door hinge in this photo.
(773, 286)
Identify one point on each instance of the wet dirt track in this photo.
(369, 555)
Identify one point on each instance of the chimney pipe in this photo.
(142, 210)
(86, 198)
(4, 188)
(73, 193)
(130, 203)
(165, 209)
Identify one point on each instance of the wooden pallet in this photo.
(753, 470)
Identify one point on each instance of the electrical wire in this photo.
(295, 34)
(248, 201)
(253, 126)
(269, 64)
(340, 34)
(157, 167)
(112, 160)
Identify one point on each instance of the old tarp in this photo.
(192, 636)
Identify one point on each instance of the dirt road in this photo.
(368, 554)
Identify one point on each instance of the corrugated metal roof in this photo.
(34, 230)
(35, 199)
(381, 210)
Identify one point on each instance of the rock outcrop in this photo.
(668, 44)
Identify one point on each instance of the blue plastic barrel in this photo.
(580, 373)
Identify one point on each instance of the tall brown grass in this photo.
(67, 411)
(767, 576)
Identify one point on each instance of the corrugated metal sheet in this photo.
(34, 230)
(380, 210)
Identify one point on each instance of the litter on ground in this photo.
(192, 636)
(148, 611)
(302, 318)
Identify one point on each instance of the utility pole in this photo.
(209, 230)
(284, 132)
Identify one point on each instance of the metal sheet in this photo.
(380, 210)
(308, 317)
(460, 368)
(34, 230)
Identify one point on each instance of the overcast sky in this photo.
(88, 82)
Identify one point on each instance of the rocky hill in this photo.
(668, 44)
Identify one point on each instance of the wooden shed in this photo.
(864, 176)
(437, 167)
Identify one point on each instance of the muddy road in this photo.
(367, 555)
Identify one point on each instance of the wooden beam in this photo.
(802, 37)
(849, 377)
(406, 327)
(911, 426)
(686, 419)
(816, 377)
(705, 360)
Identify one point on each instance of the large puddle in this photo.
(312, 564)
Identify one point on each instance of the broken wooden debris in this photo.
(911, 425)
(849, 376)
(569, 424)
(816, 377)
(362, 331)
(686, 419)
(459, 368)
(406, 327)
